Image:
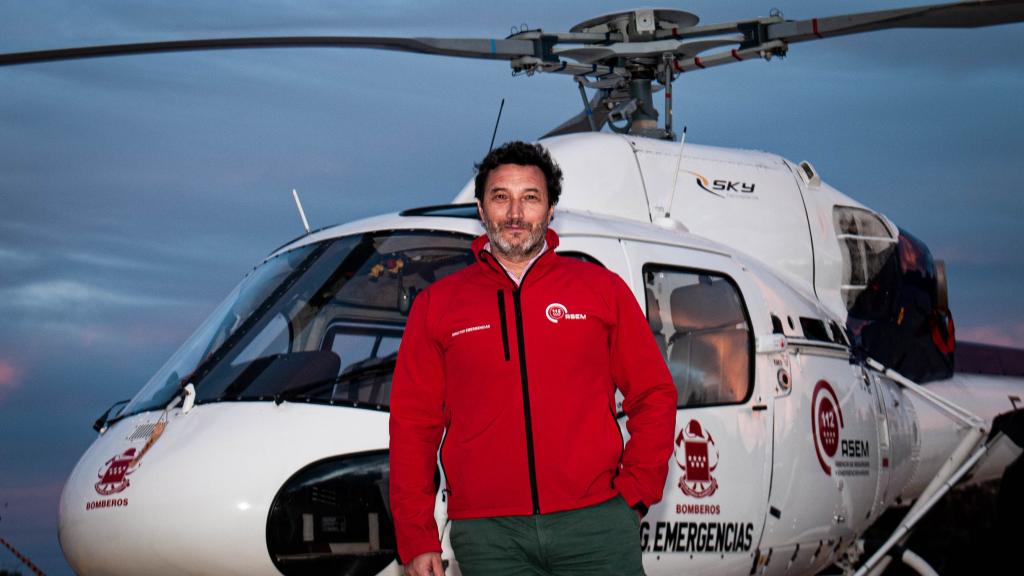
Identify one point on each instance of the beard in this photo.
(520, 249)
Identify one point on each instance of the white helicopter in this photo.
(798, 343)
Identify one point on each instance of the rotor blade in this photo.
(580, 122)
(691, 49)
(720, 58)
(959, 15)
(586, 54)
(486, 48)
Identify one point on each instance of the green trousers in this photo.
(599, 540)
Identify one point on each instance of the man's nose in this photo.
(515, 208)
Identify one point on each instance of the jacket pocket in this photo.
(504, 323)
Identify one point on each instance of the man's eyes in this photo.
(503, 197)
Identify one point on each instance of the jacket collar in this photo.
(489, 262)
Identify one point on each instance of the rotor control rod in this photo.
(586, 106)
(667, 81)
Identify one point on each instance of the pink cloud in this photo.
(44, 493)
(10, 377)
(1011, 335)
(29, 506)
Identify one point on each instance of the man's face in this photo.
(515, 210)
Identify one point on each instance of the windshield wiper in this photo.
(383, 365)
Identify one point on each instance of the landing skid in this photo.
(976, 443)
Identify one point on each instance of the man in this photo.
(515, 360)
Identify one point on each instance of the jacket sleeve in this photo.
(417, 424)
(649, 400)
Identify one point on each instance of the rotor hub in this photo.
(639, 24)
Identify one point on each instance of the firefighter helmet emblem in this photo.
(114, 474)
(697, 456)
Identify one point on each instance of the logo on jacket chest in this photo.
(556, 312)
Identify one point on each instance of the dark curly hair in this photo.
(523, 154)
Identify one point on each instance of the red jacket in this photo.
(523, 380)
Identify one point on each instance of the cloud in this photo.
(1011, 335)
(10, 377)
(57, 295)
(28, 505)
(14, 258)
(108, 261)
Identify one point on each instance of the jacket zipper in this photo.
(504, 323)
(521, 341)
(526, 399)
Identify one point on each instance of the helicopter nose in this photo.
(233, 488)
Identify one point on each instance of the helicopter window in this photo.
(366, 355)
(273, 339)
(581, 256)
(320, 323)
(332, 517)
(224, 321)
(700, 322)
(865, 243)
(351, 347)
(814, 329)
(388, 346)
(839, 334)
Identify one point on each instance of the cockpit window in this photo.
(322, 323)
(274, 338)
(581, 256)
(701, 325)
(865, 243)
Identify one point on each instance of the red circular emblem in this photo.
(826, 422)
(555, 312)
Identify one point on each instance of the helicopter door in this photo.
(712, 510)
(826, 453)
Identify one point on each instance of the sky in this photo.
(135, 192)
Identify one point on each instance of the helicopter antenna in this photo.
(302, 213)
(495, 133)
(675, 176)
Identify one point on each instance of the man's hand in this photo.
(426, 564)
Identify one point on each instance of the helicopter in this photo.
(690, 246)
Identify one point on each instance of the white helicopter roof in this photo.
(567, 222)
(754, 202)
(602, 175)
(781, 297)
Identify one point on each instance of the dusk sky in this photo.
(136, 191)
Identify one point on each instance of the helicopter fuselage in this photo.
(261, 448)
